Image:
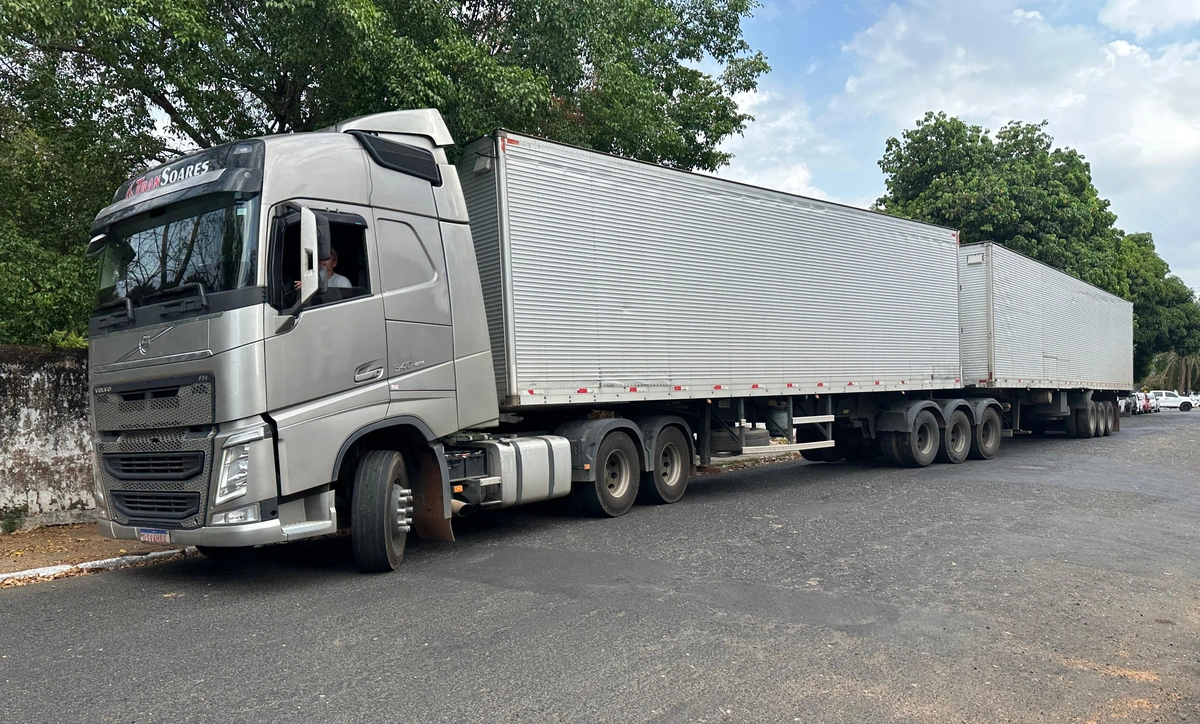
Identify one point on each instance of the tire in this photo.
(1185, 407)
(672, 460)
(223, 553)
(985, 437)
(615, 488)
(380, 511)
(1085, 421)
(724, 441)
(1110, 417)
(1101, 419)
(956, 439)
(920, 447)
(1069, 425)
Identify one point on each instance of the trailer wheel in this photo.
(920, 447)
(615, 488)
(1085, 421)
(889, 447)
(985, 442)
(1110, 417)
(672, 461)
(1070, 426)
(1101, 419)
(956, 439)
(380, 511)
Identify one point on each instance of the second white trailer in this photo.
(1029, 325)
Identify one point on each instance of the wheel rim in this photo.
(958, 438)
(925, 438)
(670, 465)
(617, 474)
(989, 433)
(402, 512)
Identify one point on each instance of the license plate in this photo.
(153, 535)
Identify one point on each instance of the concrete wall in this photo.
(45, 454)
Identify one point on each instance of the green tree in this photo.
(617, 75)
(1017, 189)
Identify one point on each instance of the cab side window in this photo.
(346, 273)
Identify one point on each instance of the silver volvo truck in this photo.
(308, 333)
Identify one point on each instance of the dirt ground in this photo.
(60, 544)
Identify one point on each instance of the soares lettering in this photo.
(167, 176)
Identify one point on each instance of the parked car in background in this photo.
(1172, 400)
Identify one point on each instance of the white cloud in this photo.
(1133, 110)
(1146, 17)
(771, 153)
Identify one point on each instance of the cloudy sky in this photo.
(1119, 80)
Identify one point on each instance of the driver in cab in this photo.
(332, 278)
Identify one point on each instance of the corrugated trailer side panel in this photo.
(631, 281)
(1048, 329)
(481, 192)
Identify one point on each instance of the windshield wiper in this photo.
(175, 290)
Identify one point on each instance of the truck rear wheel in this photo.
(985, 442)
(1110, 417)
(380, 511)
(920, 447)
(668, 480)
(1085, 421)
(615, 488)
(956, 439)
(1101, 419)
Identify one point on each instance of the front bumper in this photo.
(250, 534)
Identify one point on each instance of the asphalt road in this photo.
(1058, 582)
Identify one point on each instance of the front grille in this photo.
(155, 466)
(163, 448)
(155, 507)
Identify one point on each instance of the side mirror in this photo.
(314, 248)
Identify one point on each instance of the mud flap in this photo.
(431, 518)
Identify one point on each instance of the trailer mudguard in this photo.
(899, 416)
(980, 405)
(586, 436)
(652, 426)
(949, 406)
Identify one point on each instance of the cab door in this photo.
(326, 373)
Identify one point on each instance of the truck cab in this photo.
(266, 309)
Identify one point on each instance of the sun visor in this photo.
(233, 167)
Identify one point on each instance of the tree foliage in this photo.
(1017, 189)
(90, 91)
(617, 75)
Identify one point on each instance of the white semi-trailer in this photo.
(306, 333)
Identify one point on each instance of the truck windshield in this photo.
(209, 241)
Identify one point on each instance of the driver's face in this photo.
(330, 263)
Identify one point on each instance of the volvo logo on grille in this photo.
(144, 345)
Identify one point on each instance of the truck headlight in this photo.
(235, 464)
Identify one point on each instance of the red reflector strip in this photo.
(678, 388)
(531, 392)
(878, 382)
(849, 384)
(633, 389)
(716, 387)
(790, 384)
(901, 381)
(754, 387)
(581, 391)
(512, 142)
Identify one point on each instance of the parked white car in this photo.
(1172, 400)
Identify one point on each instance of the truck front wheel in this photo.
(672, 461)
(380, 511)
(615, 488)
